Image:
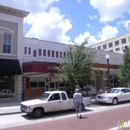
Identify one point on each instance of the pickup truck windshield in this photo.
(44, 96)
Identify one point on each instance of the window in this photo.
(34, 53)
(117, 49)
(37, 82)
(52, 53)
(55, 96)
(64, 54)
(25, 50)
(99, 47)
(56, 54)
(123, 40)
(29, 50)
(7, 43)
(110, 44)
(44, 52)
(116, 43)
(105, 46)
(40, 51)
(60, 54)
(48, 53)
(111, 50)
(63, 96)
(127, 90)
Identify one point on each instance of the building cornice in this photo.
(12, 11)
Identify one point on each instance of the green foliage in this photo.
(124, 75)
(76, 68)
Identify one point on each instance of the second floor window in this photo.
(110, 44)
(123, 40)
(7, 43)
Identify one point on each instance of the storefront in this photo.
(9, 71)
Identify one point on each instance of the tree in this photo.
(124, 75)
(76, 68)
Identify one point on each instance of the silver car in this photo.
(114, 96)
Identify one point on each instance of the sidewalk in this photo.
(9, 108)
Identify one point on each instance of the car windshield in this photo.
(44, 96)
(113, 91)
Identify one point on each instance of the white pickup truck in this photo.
(50, 101)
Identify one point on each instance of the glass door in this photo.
(52, 86)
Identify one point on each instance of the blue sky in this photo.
(64, 21)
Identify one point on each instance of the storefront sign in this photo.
(51, 67)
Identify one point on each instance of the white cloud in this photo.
(32, 6)
(82, 37)
(88, 24)
(110, 10)
(107, 32)
(79, 1)
(124, 23)
(47, 23)
(49, 26)
(93, 17)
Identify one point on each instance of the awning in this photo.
(9, 67)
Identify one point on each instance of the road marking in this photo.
(115, 128)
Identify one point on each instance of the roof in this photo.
(12, 11)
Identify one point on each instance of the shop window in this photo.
(37, 82)
(7, 87)
(7, 43)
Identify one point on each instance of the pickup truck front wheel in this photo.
(37, 112)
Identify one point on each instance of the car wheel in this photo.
(38, 112)
(115, 101)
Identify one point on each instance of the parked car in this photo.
(50, 101)
(5, 92)
(114, 96)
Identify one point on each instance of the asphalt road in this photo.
(95, 117)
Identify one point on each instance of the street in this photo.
(108, 119)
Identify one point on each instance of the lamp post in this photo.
(107, 58)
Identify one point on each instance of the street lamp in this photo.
(107, 58)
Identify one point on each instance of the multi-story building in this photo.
(116, 44)
(27, 65)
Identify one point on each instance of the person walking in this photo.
(77, 100)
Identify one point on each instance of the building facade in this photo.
(116, 44)
(27, 66)
(11, 39)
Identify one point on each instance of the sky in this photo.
(67, 21)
